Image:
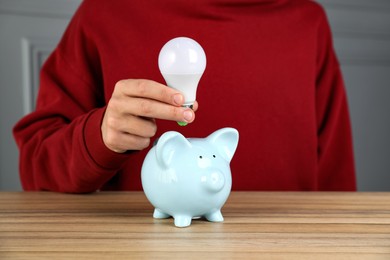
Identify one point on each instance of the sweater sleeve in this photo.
(335, 151)
(61, 148)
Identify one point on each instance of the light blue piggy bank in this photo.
(188, 178)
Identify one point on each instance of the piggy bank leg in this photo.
(159, 214)
(215, 216)
(182, 221)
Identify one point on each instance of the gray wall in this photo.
(30, 29)
(361, 31)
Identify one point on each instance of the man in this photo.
(271, 73)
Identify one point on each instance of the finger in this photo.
(155, 109)
(151, 90)
(195, 106)
(140, 126)
(135, 142)
(122, 142)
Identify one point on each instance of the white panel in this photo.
(34, 53)
(357, 4)
(369, 22)
(48, 8)
(363, 51)
(361, 31)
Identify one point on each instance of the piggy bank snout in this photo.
(214, 181)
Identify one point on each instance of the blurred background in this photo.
(30, 30)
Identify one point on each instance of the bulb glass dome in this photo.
(182, 55)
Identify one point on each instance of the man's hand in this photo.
(128, 123)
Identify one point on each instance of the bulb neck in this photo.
(187, 84)
(188, 105)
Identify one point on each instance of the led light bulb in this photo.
(182, 62)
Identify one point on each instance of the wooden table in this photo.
(257, 225)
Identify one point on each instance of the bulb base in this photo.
(185, 106)
(182, 123)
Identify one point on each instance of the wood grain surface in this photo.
(265, 225)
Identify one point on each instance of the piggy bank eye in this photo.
(214, 156)
(200, 157)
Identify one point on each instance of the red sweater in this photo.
(271, 73)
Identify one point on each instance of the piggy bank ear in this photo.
(169, 144)
(226, 141)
